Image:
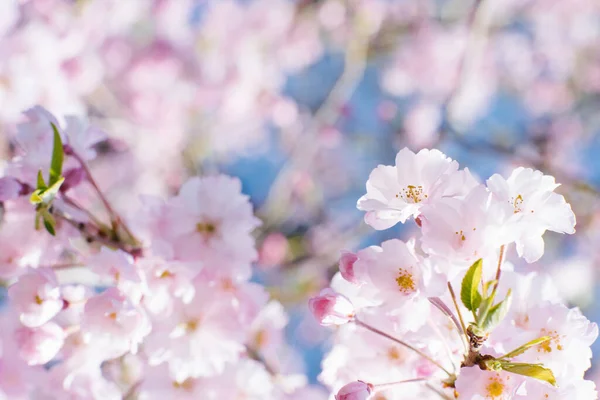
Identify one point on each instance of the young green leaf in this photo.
(57, 157)
(49, 227)
(497, 313)
(49, 221)
(522, 349)
(40, 181)
(469, 293)
(536, 371)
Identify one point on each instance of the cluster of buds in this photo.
(405, 333)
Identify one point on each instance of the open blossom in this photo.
(571, 334)
(201, 337)
(521, 339)
(530, 200)
(39, 345)
(36, 296)
(397, 272)
(581, 389)
(358, 390)
(112, 321)
(331, 308)
(395, 193)
(464, 230)
(476, 384)
(211, 221)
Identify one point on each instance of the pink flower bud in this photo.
(347, 261)
(358, 390)
(331, 308)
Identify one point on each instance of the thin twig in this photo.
(255, 355)
(436, 390)
(449, 353)
(383, 386)
(115, 218)
(498, 271)
(306, 147)
(402, 343)
(462, 321)
(440, 305)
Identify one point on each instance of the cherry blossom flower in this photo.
(529, 196)
(112, 321)
(39, 345)
(36, 296)
(476, 384)
(395, 193)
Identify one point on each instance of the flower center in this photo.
(495, 388)
(405, 281)
(165, 274)
(517, 203)
(206, 229)
(412, 194)
(191, 325)
(546, 347)
(394, 354)
(38, 300)
(187, 385)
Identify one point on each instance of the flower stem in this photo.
(440, 305)
(115, 218)
(383, 386)
(453, 295)
(498, 271)
(402, 343)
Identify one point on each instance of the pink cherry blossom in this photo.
(112, 321)
(395, 193)
(36, 296)
(529, 196)
(39, 345)
(476, 384)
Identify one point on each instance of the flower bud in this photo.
(346, 266)
(358, 390)
(331, 308)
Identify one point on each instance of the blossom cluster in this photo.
(444, 315)
(156, 305)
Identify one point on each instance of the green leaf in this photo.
(49, 221)
(469, 294)
(522, 349)
(536, 371)
(40, 181)
(497, 313)
(57, 157)
(49, 227)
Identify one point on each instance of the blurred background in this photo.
(302, 99)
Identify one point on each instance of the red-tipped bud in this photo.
(331, 308)
(358, 390)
